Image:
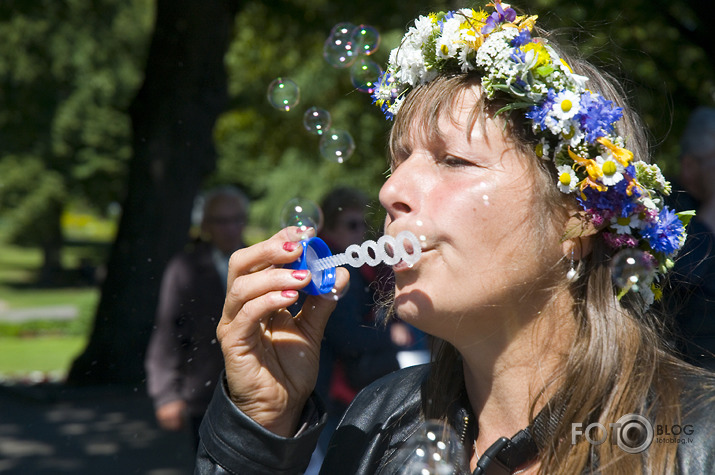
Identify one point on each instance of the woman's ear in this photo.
(577, 248)
(577, 240)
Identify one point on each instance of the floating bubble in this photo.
(632, 268)
(342, 32)
(364, 74)
(366, 39)
(337, 145)
(283, 94)
(334, 295)
(317, 121)
(434, 449)
(338, 49)
(302, 212)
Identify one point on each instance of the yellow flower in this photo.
(473, 25)
(592, 169)
(624, 156)
(526, 22)
(542, 55)
(567, 65)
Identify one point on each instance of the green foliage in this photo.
(68, 71)
(29, 194)
(269, 152)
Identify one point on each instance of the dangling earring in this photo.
(571, 274)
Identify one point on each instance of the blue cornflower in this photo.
(518, 56)
(520, 83)
(597, 116)
(522, 38)
(448, 16)
(615, 201)
(663, 234)
(540, 112)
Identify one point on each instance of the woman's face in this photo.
(472, 201)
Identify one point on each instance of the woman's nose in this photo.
(399, 194)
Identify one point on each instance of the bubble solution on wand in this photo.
(321, 263)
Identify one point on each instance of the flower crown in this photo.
(620, 197)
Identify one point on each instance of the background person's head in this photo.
(697, 155)
(223, 220)
(344, 223)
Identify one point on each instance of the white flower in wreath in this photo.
(410, 64)
(567, 179)
(423, 29)
(611, 168)
(449, 40)
(543, 149)
(566, 105)
(626, 225)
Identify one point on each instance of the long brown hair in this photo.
(619, 362)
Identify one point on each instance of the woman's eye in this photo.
(452, 161)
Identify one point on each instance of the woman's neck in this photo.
(507, 372)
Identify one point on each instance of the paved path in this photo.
(55, 312)
(54, 429)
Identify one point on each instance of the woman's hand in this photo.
(272, 358)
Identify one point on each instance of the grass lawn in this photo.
(47, 354)
(45, 346)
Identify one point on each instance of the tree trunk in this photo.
(173, 115)
(51, 271)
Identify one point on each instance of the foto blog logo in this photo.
(632, 433)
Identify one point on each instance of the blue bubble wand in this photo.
(321, 263)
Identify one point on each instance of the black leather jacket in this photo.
(381, 418)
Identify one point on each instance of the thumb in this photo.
(317, 308)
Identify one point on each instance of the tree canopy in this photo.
(68, 71)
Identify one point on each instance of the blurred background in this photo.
(115, 114)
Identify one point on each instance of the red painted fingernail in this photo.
(299, 274)
(289, 294)
(290, 245)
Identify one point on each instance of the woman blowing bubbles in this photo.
(510, 159)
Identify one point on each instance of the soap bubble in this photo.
(366, 39)
(283, 94)
(338, 49)
(632, 268)
(337, 145)
(302, 212)
(334, 295)
(364, 74)
(317, 121)
(342, 32)
(434, 449)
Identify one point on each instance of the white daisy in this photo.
(566, 105)
(567, 179)
(611, 168)
(448, 41)
(626, 225)
(571, 132)
(543, 149)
